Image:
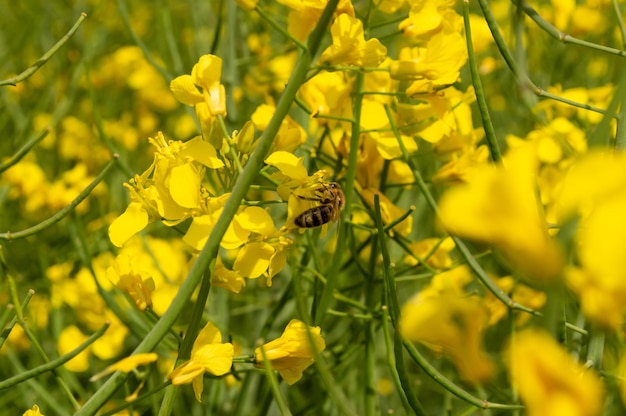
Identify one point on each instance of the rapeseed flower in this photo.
(131, 281)
(549, 381)
(208, 355)
(595, 189)
(304, 15)
(169, 190)
(449, 321)
(498, 206)
(349, 46)
(437, 64)
(206, 75)
(429, 17)
(435, 252)
(126, 365)
(292, 353)
(33, 412)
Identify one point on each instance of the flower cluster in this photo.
(335, 154)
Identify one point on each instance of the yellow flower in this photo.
(349, 46)
(389, 6)
(595, 188)
(290, 135)
(520, 293)
(169, 190)
(71, 337)
(447, 320)
(227, 279)
(439, 62)
(33, 412)
(549, 381)
(247, 5)
(435, 252)
(388, 211)
(206, 74)
(292, 353)
(328, 93)
(305, 14)
(429, 17)
(127, 364)
(135, 283)
(208, 355)
(499, 207)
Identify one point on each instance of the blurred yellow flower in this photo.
(520, 293)
(33, 412)
(349, 46)
(439, 62)
(292, 353)
(248, 5)
(132, 281)
(435, 252)
(499, 207)
(328, 93)
(70, 338)
(549, 381)
(290, 134)
(127, 364)
(304, 14)
(389, 212)
(428, 17)
(595, 190)
(206, 74)
(209, 355)
(451, 322)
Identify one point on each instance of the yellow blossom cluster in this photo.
(338, 157)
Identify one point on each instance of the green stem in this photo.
(28, 72)
(63, 212)
(620, 22)
(595, 350)
(327, 294)
(210, 249)
(560, 36)
(522, 78)
(603, 130)
(393, 306)
(279, 28)
(490, 133)
(23, 151)
(461, 247)
(16, 307)
(274, 387)
(433, 373)
(5, 384)
(391, 361)
(123, 10)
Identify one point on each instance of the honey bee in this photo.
(331, 200)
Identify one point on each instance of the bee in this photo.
(331, 200)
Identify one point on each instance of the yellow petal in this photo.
(257, 220)
(203, 152)
(207, 335)
(199, 231)
(133, 220)
(253, 259)
(185, 91)
(216, 359)
(198, 387)
(127, 364)
(185, 185)
(289, 165)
